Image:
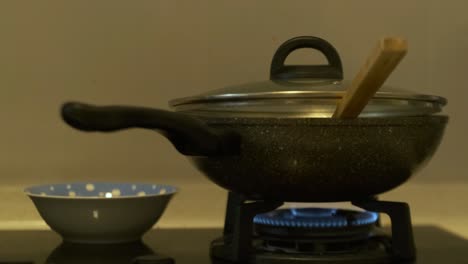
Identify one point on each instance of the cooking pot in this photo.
(276, 140)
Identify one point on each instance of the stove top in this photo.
(434, 245)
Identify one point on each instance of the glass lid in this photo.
(303, 91)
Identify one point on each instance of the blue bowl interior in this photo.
(105, 190)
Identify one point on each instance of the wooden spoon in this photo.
(372, 75)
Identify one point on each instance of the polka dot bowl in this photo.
(101, 212)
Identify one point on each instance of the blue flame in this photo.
(314, 218)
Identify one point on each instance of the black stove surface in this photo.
(434, 245)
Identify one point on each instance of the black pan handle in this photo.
(279, 71)
(189, 135)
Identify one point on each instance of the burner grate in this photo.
(316, 247)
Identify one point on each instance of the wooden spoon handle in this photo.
(372, 75)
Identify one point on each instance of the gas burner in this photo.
(314, 222)
(317, 231)
(316, 218)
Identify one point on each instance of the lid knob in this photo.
(333, 70)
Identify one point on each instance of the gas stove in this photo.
(258, 232)
(320, 234)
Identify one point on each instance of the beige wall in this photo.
(147, 52)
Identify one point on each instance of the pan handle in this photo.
(279, 71)
(189, 135)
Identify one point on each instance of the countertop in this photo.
(202, 205)
(435, 245)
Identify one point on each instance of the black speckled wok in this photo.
(267, 146)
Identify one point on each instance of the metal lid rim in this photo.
(236, 98)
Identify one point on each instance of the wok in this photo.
(276, 140)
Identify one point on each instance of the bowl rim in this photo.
(27, 191)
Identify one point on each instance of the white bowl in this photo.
(101, 212)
